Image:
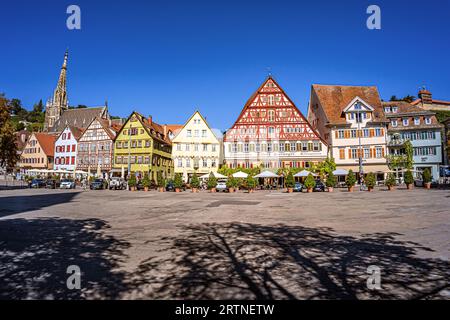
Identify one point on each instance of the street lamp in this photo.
(360, 150)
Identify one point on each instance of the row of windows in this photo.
(268, 130)
(363, 133)
(195, 147)
(65, 160)
(93, 160)
(93, 147)
(67, 148)
(276, 147)
(425, 151)
(358, 116)
(421, 135)
(32, 160)
(32, 150)
(133, 159)
(66, 136)
(405, 121)
(134, 144)
(196, 133)
(196, 163)
(365, 153)
(271, 164)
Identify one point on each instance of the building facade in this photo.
(66, 147)
(196, 148)
(38, 152)
(426, 102)
(95, 148)
(351, 120)
(446, 143)
(271, 132)
(142, 146)
(411, 123)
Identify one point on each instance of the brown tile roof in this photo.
(47, 143)
(80, 118)
(76, 132)
(154, 129)
(174, 127)
(334, 99)
(407, 110)
(434, 101)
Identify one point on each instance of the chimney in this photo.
(150, 120)
(165, 130)
(425, 96)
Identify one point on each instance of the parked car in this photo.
(117, 183)
(170, 186)
(67, 184)
(98, 184)
(221, 186)
(298, 187)
(319, 187)
(38, 183)
(51, 184)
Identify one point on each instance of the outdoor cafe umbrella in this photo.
(340, 172)
(304, 173)
(266, 174)
(240, 174)
(216, 174)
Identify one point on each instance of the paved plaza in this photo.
(138, 245)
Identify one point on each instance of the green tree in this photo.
(331, 180)
(212, 181)
(232, 182)
(409, 179)
(178, 181)
(426, 176)
(131, 181)
(390, 180)
(195, 182)
(350, 181)
(8, 148)
(370, 180)
(146, 180)
(160, 180)
(409, 155)
(309, 182)
(251, 182)
(290, 181)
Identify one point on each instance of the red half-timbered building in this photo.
(272, 132)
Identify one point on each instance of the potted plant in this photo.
(290, 182)
(161, 182)
(146, 182)
(251, 184)
(195, 183)
(212, 183)
(409, 179)
(390, 181)
(370, 181)
(426, 178)
(131, 182)
(331, 182)
(178, 182)
(231, 184)
(350, 180)
(309, 183)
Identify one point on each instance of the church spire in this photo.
(58, 103)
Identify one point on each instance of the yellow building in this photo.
(142, 146)
(196, 148)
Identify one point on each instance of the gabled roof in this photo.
(111, 130)
(152, 128)
(76, 132)
(47, 143)
(404, 108)
(204, 120)
(174, 128)
(22, 137)
(407, 110)
(80, 118)
(335, 98)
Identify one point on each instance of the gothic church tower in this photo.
(58, 104)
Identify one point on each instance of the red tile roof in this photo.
(47, 143)
(334, 99)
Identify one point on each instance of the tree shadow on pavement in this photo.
(20, 204)
(35, 255)
(250, 261)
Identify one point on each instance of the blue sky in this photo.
(169, 58)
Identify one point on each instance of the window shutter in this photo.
(382, 152)
(336, 134)
(349, 153)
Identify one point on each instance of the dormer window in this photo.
(394, 109)
(394, 123)
(428, 120)
(405, 122)
(387, 109)
(417, 121)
